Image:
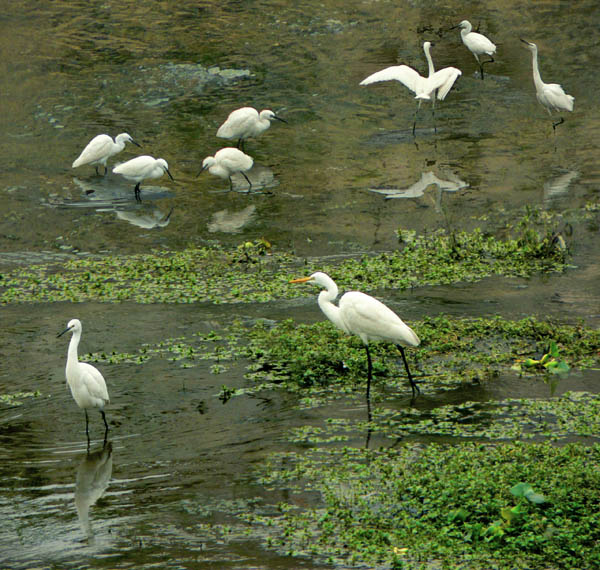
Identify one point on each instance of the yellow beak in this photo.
(301, 280)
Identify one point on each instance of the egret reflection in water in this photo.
(231, 222)
(558, 186)
(93, 475)
(451, 183)
(107, 196)
(147, 218)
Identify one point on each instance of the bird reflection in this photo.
(147, 217)
(231, 222)
(559, 186)
(451, 183)
(93, 476)
(107, 196)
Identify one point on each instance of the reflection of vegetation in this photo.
(204, 274)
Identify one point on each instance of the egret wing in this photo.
(557, 98)
(402, 73)
(94, 382)
(237, 122)
(443, 80)
(370, 319)
(99, 147)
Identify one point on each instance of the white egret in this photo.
(245, 123)
(476, 43)
(425, 88)
(366, 317)
(550, 95)
(100, 149)
(140, 168)
(86, 382)
(227, 162)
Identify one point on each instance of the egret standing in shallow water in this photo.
(366, 317)
(87, 384)
(140, 168)
(227, 162)
(550, 95)
(245, 123)
(100, 149)
(426, 88)
(477, 44)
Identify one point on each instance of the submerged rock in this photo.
(171, 80)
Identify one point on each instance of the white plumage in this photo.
(141, 168)
(245, 123)
(227, 162)
(437, 83)
(87, 384)
(550, 95)
(364, 316)
(476, 43)
(100, 149)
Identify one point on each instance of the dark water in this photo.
(179, 461)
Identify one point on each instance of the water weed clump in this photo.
(442, 506)
(319, 358)
(254, 272)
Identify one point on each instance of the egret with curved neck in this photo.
(87, 384)
(366, 317)
(550, 95)
(437, 83)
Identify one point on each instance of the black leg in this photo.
(554, 125)
(248, 179)
(87, 423)
(230, 184)
(97, 173)
(239, 143)
(415, 119)
(104, 418)
(105, 169)
(136, 190)
(415, 388)
(491, 60)
(369, 375)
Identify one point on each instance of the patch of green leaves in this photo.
(419, 505)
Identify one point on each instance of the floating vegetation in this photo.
(508, 506)
(204, 274)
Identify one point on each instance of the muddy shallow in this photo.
(181, 460)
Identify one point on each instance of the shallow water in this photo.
(181, 459)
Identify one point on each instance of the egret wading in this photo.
(245, 123)
(141, 168)
(366, 317)
(227, 162)
(550, 95)
(100, 149)
(86, 382)
(437, 83)
(477, 44)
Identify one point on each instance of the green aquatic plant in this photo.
(204, 274)
(419, 506)
(16, 399)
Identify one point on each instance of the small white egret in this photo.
(227, 162)
(100, 149)
(425, 88)
(476, 43)
(366, 317)
(245, 123)
(86, 382)
(140, 168)
(550, 95)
